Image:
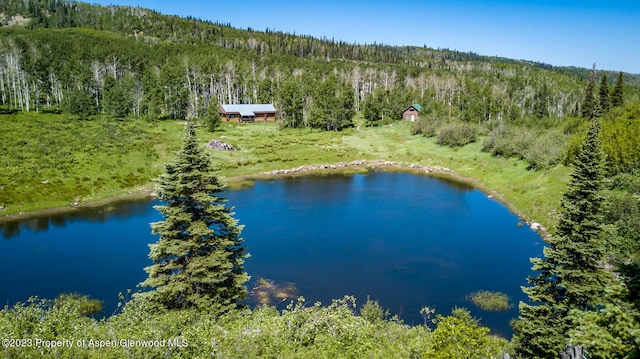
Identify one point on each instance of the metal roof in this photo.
(248, 110)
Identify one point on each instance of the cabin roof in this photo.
(415, 105)
(248, 109)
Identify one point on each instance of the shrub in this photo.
(547, 149)
(427, 126)
(372, 312)
(457, 134)
(509, 141)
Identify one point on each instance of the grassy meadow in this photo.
(49, 161)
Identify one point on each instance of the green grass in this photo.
(490, 301)
(48, 161)
(93, 160)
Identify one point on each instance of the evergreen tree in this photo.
(80, 104)
(117, 98)
(541, 107)
(571, 274)
(617, 95)
(372, 107)
(588, 103)
(198, 259)
(212, 118)
(603, 99)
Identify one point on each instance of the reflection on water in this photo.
(405, 240)
(100, 214)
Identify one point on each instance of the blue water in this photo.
(405, 240)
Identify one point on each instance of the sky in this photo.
(560, 33)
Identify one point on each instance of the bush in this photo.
(372, 312)
(457, 134)
(509, 141)
(427, 126)
(547, 149)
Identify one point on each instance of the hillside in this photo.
(106, 52)
(93, 101)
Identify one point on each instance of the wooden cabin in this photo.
(412, 112)
(247, 113)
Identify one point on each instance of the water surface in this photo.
(405, 240)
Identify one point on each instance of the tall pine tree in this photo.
(617, 95)
(571, 274)
(198, 259)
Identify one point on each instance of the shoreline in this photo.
(340, 167)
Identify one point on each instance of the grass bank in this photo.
(49, 161)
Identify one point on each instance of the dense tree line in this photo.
(134, 61)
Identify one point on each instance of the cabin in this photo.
(412, 112)
(248, 113)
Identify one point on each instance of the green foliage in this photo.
(588, 103)
(51, 161)
(430, 121)
(81, 105)
(460, 336)
(617, 96)
(620, 139)
(118, 101)
(603, 94)
(457, 134)
(291, 104)
(570, 276)
(547, 149)
(299, 331)
(372, 312)
(198, 259)
(490, 301)
(509, 141)
(542, 149)
(333, 107)
(372, 107)
(212, 117)
(612, 331)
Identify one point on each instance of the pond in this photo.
(405, 240)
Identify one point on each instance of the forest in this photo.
(111, 69)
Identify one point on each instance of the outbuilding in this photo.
(412, 112)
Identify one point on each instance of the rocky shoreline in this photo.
(369, 164)
(414, 167)
(301, 170)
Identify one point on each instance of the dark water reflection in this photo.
(404, 240)
(100, 214)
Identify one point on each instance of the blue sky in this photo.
(561, 33)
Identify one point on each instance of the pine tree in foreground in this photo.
(198, 259)
(571, 275)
